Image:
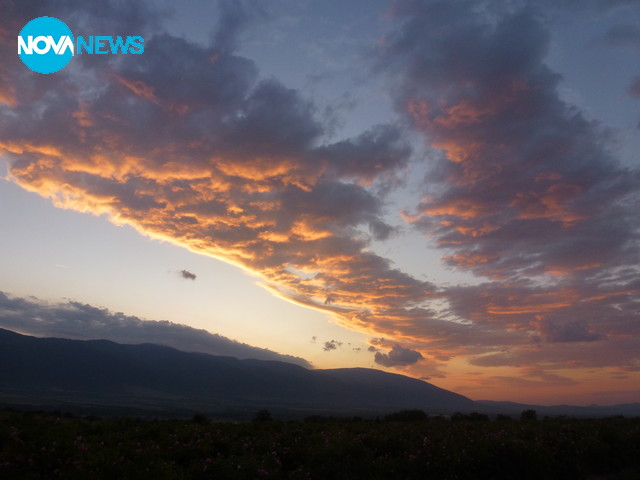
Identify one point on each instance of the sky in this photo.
(443, 189)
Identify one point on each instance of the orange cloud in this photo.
(140, 88)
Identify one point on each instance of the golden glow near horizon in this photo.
(204, 148)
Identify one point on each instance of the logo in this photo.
(46, 45)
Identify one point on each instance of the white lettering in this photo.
(24, 47)
(47, 44)
(63, 44)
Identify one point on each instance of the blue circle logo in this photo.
(45, 45)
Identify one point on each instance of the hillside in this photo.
(55, 371)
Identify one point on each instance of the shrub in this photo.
(200, 418)
(407, 416)
(502, 418)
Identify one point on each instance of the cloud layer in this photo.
(85, 322)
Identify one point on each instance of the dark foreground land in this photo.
(53, 445)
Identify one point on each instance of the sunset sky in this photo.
(447, 189)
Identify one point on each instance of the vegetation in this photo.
(52, 445)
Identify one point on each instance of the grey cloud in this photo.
(398, 356)
(331, 345)
(567, 332)
(606, 333)
(618, 353)
(80, 321)
(187, 275)
(273, 119)
(381, 230)
(376, 151)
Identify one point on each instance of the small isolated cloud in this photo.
(331, 345)
(187, 275)
(397, 356)
(372, 348)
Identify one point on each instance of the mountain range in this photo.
(56, 371)
(100, 376)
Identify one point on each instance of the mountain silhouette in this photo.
(49, 370)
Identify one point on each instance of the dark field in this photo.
(53, 445)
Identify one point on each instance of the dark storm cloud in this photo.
(84, 322)
(187, 275)
(398, 356)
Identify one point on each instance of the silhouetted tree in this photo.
(478, 417)
(263, 416)
(200, 418)
(529, 415)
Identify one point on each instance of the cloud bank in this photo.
(80, 321)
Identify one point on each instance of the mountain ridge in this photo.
(94, 369)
